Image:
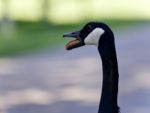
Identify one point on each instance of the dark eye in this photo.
(89, 28)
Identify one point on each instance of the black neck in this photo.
(108, 103)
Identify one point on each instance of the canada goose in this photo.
(99, 34)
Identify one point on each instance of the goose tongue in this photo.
(73, 44)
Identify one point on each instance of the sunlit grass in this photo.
(74, 11)
(25, 9)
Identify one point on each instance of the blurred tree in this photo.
(45, 11)
(7, 27)
(5, 9)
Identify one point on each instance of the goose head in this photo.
(90, 34)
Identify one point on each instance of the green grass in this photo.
(32, 36)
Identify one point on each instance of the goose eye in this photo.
(89, 28)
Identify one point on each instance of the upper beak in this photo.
(72, 34)
(74, 43)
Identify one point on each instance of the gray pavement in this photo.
(70, 82)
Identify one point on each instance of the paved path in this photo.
(70, 82)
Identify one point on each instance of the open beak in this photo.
(77, 42)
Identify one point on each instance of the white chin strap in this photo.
(94, 37)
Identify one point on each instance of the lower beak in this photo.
(74, 43)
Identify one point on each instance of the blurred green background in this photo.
(27, 25)
(37, 75)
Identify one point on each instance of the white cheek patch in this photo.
(94, 37)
